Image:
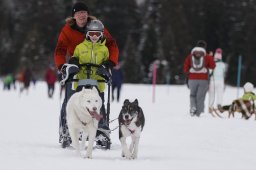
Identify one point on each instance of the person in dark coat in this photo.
(50, 78)
(117, 81)
(25, 78)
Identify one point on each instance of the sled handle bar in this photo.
(89, 65)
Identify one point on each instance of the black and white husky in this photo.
(131, 122)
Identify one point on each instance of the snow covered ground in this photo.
(171, 140)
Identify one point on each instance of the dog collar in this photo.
(83, 123)
(132, 131)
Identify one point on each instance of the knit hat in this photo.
(79, 6)
(200, 46)
(218, 54)
(218, 50)
(248, 87)
(201, 43)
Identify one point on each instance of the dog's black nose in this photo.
(126, 117)
(94, 108)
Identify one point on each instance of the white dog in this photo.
(83, 113)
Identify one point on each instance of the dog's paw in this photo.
(86, 156)
(134, 156)
(128, 155)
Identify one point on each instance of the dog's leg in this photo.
(135, 142)
(75, 139)
(91, 136)
(125, 150)
(132, 145)
(83, 143)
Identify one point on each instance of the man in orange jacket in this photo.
(70, 36)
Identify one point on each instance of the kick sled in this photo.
(245, 107)
(70, 70)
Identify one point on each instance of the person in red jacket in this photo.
(196, 66)
(72, 34)
(50, 78)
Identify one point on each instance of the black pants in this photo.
(50, 90)
(118, 87)
(63, 128)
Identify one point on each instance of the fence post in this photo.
(154, 82)
(239, 74)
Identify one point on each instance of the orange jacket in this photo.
(69, 38)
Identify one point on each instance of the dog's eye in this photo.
(134, 112)
(88, 101)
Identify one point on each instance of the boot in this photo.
(210, 110)
(223, 108)
(220, 108)
(192, 111)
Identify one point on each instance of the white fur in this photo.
(77, 113)
(132, 152)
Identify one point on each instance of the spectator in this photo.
(25, 78)
(8, 80)
(217, 83)
(196, 66)
(50, 78)
(248, 95)
(117, 81)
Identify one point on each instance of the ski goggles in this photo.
(96, 33)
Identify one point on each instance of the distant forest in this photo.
(147, 32)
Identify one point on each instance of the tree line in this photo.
(147, 32)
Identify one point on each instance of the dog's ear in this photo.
(136, 102)
(83, 89)
(95, 90)
(126, 102)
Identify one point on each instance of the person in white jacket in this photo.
(217, 84)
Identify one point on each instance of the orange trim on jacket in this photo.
(69, 38)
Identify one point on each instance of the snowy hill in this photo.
(171, 138)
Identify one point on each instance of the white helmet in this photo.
(94, 27)
(248, 87)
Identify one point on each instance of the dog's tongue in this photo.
(96, 115)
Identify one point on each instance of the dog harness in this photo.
(132, 131)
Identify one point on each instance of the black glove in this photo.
(74, 60)
(63, 70)
(68, 71)
(103, 72)
(108, 64)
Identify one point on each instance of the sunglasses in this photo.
(92, 33)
